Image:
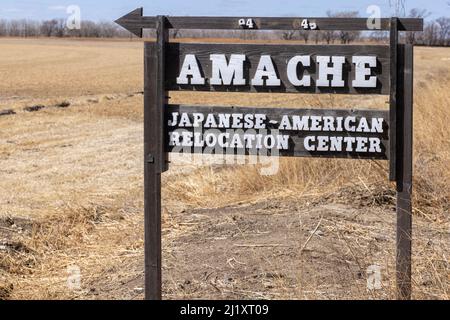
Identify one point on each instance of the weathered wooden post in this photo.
(400, 159)
(393, 45)
(155, 98)
(404, 171)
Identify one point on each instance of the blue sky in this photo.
(109, 10)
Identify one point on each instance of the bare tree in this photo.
(305, 34)
(48, 27)
(444, 31)
(107, 29)
(60, 28)
(317, 36)
(345, 36)
(329, 36)
(57, 28)
(430, 33)
(32, 28)
(399, 7)
(175, 33)
(288, 35)
(14, 28)
(415, 13)
(379, 36)
(3, 28)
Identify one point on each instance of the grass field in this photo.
(72, 191)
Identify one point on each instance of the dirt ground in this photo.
(71, 196)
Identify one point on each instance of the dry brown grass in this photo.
(71, 183)
(431, 147)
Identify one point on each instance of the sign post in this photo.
(329, 133)
(155, 159)
(404, 171)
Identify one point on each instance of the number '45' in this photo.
(308, 25)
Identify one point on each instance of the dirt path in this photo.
(279, 249)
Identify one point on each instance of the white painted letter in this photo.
(361, 72)
(292, 71)
(308, 143)
(375, 145)
(190, 68)
(266, 69)
(335, 71)
(227, 73)
(377, 125)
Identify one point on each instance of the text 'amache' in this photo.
(229, 71)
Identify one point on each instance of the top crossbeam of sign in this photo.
(135, 22)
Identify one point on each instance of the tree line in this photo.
(58, 28)
(436, 32)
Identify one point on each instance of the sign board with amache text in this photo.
(278, 68)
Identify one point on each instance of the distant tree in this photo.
(3, 28)
(106, 29)
(32, 28)
(288, 35)
(378, 36)
(60, 28)
(430, 33)
(345, 36)
(329, 36)
(415, 13)
(175, 33)
(90, 30)
(317, 36)
(48, 27)
(14, 28)
(444, 31)
(305, 34)
(398, 6)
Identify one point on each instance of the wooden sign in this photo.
(278, 68)
(276, 132)
(135, 22)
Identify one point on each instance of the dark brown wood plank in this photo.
(280, 55)
(135, 22)
(288, 23)
(155, 164)
(296, 148)
(404, 172)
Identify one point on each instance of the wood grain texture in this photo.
(280, 55)
(296, 148)
(393, 99)
(154, 158)
(135, 22)
(404, 172)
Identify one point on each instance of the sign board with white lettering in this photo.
(340, 133)
(276, 132)
(278, 68)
